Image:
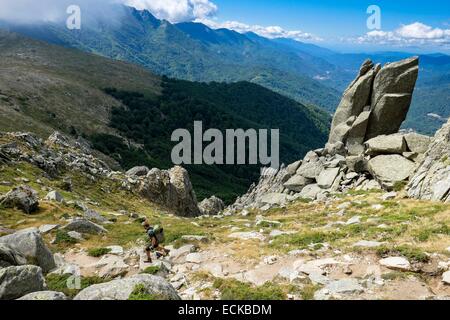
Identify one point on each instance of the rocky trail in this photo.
(365, 217)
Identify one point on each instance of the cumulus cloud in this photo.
(416, 33)
(30, 11)
(176, 10)
(270, 32)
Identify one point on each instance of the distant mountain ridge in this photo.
(191, 51)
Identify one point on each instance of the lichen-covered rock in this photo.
(121, 289)
(211, 206)
(23, 198)
(391, 96)
(10, 257)
(17, 281)
(432, 179)
(390, 169)
(84, 226)
(171, 189)
(44, 296)
(138, 171)
(29, 243)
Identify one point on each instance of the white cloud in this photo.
(270, 32)
(416, 33)
(176, 10)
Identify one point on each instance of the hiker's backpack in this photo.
(159, 234)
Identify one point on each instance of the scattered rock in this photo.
(368, 244)
(75, 235)
(17, 281)
(46, 228)
(138, 171)
(84, 226)
(121, 289)
(203, 239)
(247, 235)
(45, 295)
(391, 168)
(353, 220)
(391, 144)
(327, 177)
(396, 263)
(30, 244)
(446, 277)
(389, 196)
(10, 257)
(116, 250)
(23, 198)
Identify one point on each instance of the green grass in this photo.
(140, 293)
(62, 237)
(59, 283)
(411, 253)
(231, 289)
(151, 270)
(98, 252)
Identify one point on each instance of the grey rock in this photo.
(432, 179)
(367, 244)
(138, 171)
(211, 206)
(355, 98)
(310, 170)
(45, 296)
(297, 183)
(396, 263)
(93, 215)
(391, 96)
(276, 199)
(84, 226)
(327, 177)
(23, 198)
(417, 143)
(357, 164)
(29, 243)
(391, 168)
(121, 289)
(310, 191)
(75, 235)
(446, 277)
(54, 196)
(46, 228)
(344, 286)
(247, 235)
(17, 281)
(10, 257)
(391, 144)
(293, 167)
(357, 133)
(171, 189)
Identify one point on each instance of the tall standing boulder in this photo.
(356, 97)
(171, 189)
(391, 96)
(432, 179)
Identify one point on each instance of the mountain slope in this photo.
(194, 52)
(45, 87)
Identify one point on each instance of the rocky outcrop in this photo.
(23, 198)
(84, 226)
(365, 149)
(29, 243)
(171, 189)
(211, 206)
(18, 281)
(432, 179)
(122, 289)
(138, 171)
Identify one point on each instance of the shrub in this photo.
(62, 237)
(151, 270)
(231, 289)
(141, 293)
(56, 282)
(98, 252)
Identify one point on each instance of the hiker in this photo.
(156, 236)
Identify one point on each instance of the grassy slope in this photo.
(44, 87)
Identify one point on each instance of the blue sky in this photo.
(333, 20)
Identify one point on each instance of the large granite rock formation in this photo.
(432, 179)
(365, 149)
(171, 189)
